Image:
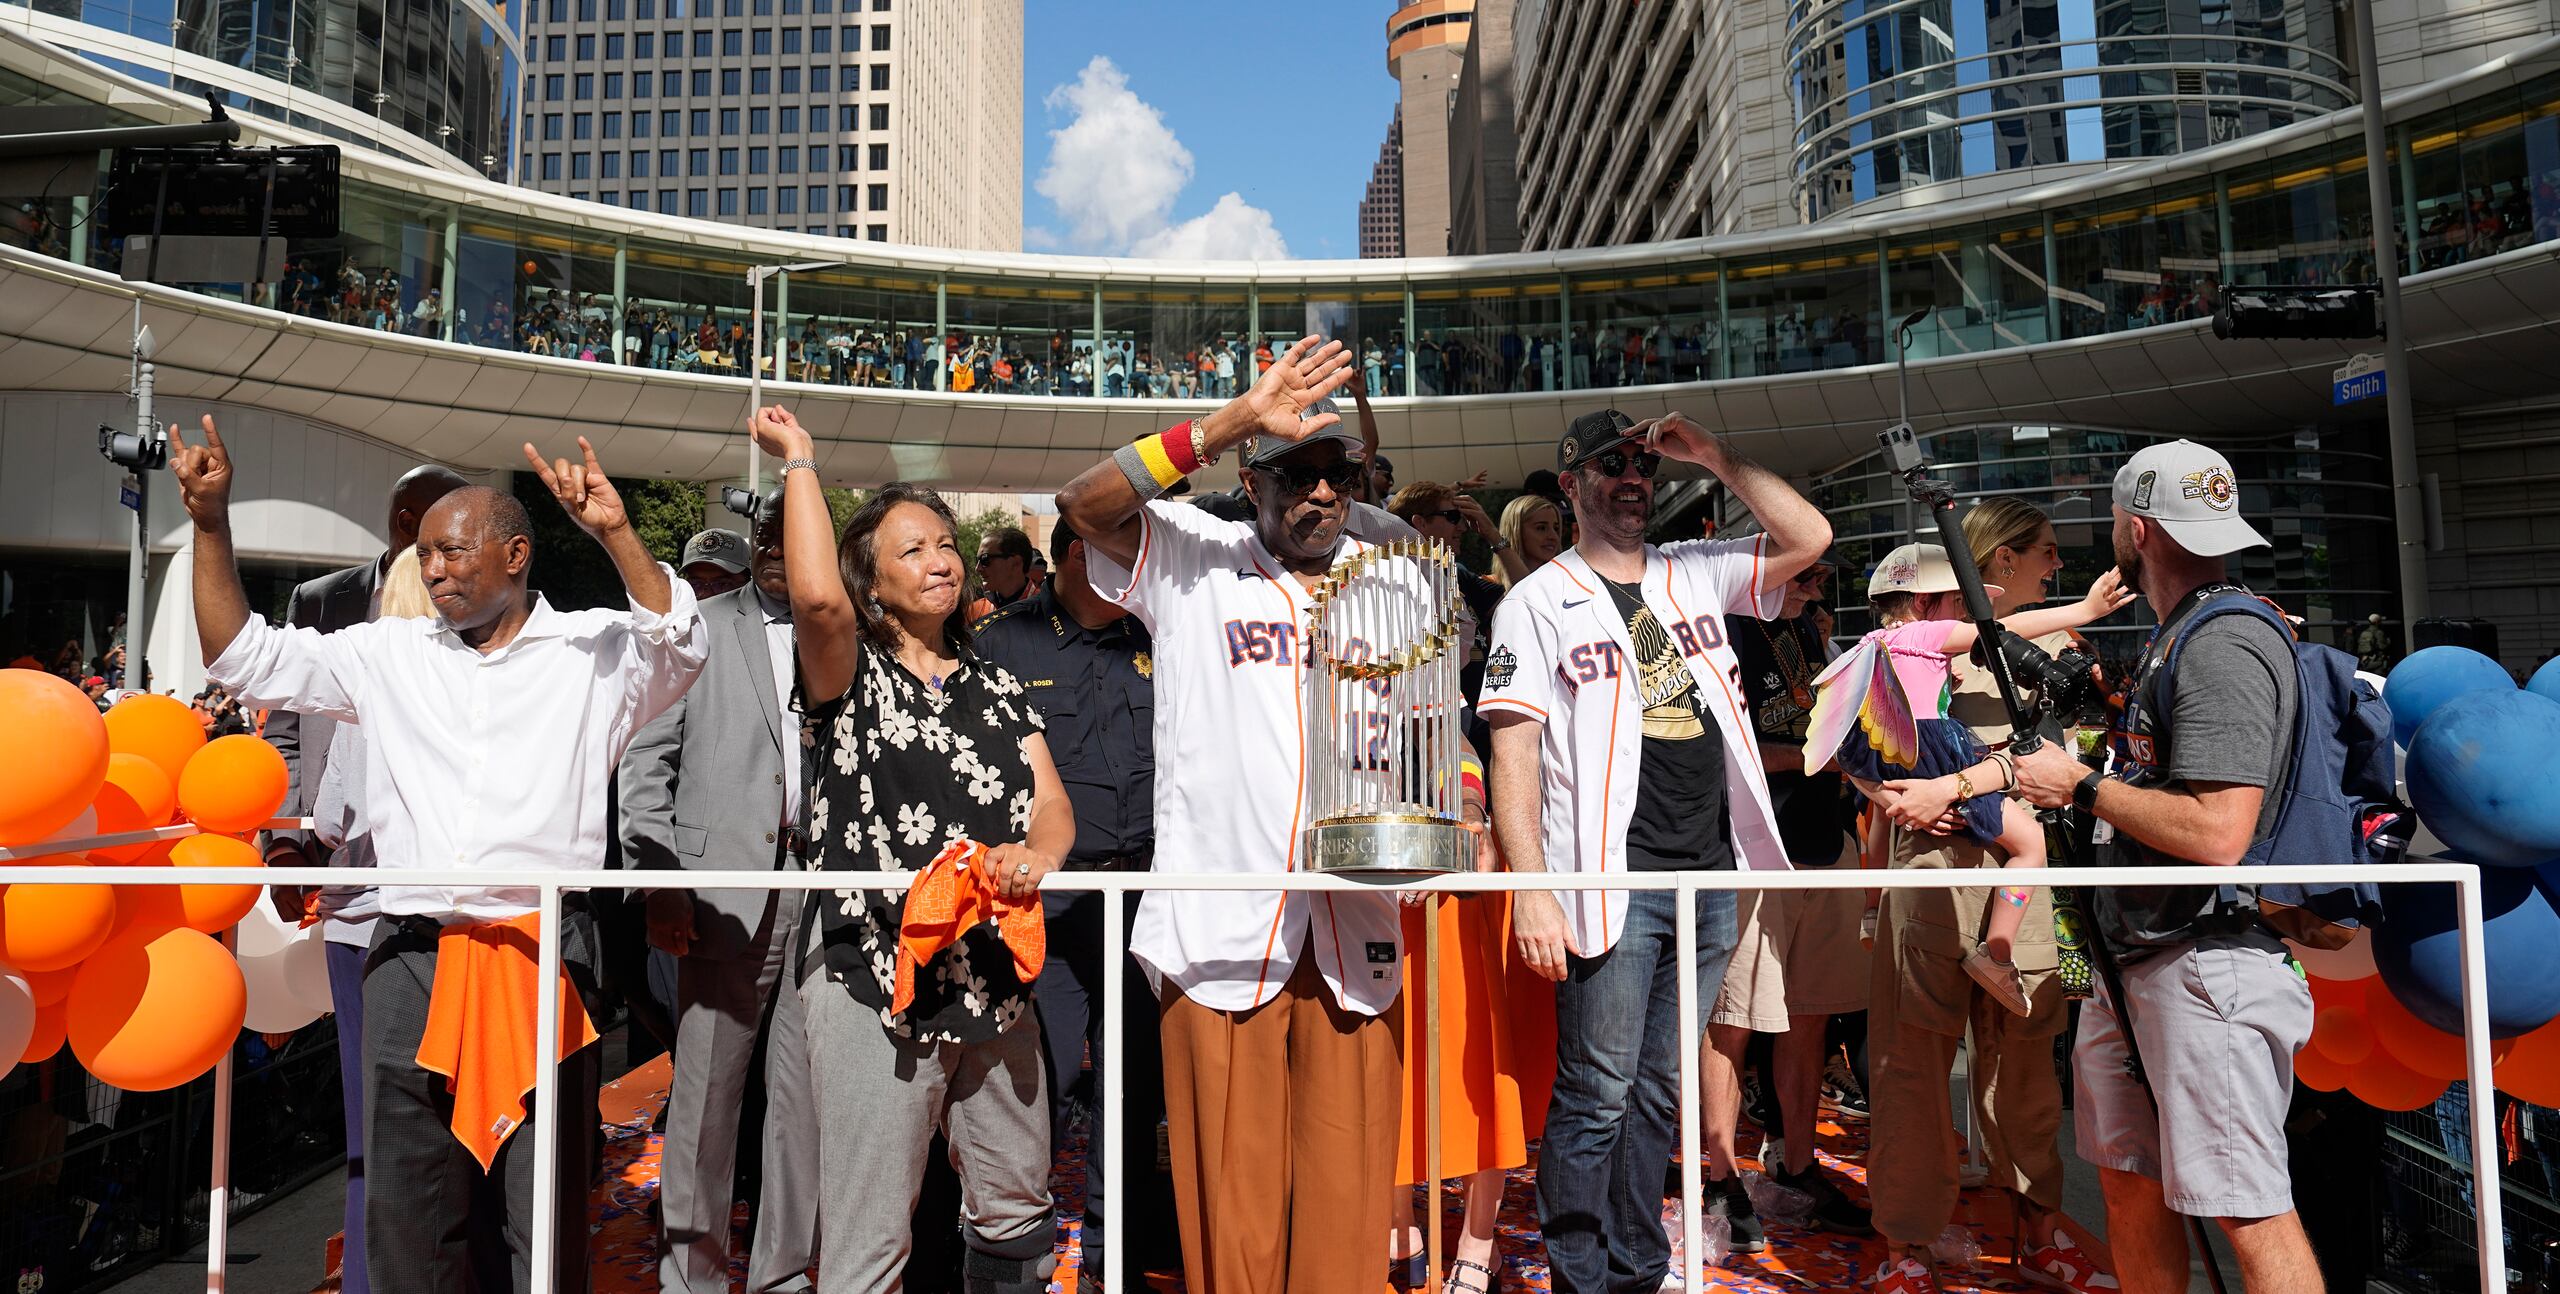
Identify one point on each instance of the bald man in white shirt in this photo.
(492, 732)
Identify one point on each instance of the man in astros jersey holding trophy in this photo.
(1620, 743)
(1281, 1067)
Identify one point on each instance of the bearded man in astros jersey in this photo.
(1620, 744)
(1281, 1068)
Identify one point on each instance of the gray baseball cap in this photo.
(726, 549)
(2191, 492)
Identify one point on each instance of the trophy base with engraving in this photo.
(1389, 846)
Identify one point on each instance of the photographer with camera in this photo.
(1921, 999)
(2215, 1010)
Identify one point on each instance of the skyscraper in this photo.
(826, 116)
(1382, 204)
(1484, 148)
(1425, 40)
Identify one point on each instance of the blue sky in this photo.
(1283, 108)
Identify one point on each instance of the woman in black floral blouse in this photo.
(912, 743)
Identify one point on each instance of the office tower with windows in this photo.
(858, 118)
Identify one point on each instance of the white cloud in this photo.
(1115, 167)
(1115, 171)
(1233, 230)
(1039, 238)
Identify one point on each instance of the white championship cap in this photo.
(2191, 492)
(1918, 568)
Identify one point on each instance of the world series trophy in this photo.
(1383, 650)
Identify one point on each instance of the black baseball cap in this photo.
(1591, 434)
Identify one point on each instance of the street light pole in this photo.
(755, 356)
(2408, 502)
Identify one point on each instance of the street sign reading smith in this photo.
(2359, 379)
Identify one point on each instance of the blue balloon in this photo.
(2480, 777)
(2418, 949)
(2546, 680)
(2433, 676)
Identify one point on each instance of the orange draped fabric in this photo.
(949, 898)
(481, 1019)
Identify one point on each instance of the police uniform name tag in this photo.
(1383, 649)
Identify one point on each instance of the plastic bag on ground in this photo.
(1775, 1201)
(1957, 1246)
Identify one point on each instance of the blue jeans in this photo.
(1616, 1114)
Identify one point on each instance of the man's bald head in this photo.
(480, 511)
(475, 552)
(416, 491)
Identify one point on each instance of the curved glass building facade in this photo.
(427, 80)
(2322, 496)
(1894, 94)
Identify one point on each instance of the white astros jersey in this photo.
(1561, 657)
(1231, 729)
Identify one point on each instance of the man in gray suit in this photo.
(714, 784)
(330, 603)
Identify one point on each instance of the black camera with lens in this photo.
(2070, 685)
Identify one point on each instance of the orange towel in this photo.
(950, 897)
(481, 1021)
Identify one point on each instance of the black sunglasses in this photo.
(1613, 462)
(1301, 478)
(1451, 515)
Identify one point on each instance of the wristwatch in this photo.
(2084, 795)
(1499, 544)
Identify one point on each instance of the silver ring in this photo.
(1023, 869)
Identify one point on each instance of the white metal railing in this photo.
(2465, 878)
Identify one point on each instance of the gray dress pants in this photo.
(423, 1190)
(726, 1008)
(878, 1102)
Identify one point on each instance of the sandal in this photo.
(1469, 1284)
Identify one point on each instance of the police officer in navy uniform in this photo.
(1085, 664)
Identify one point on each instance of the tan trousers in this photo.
(1921, 1003)
(1283, 1123)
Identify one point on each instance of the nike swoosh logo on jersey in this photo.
(1578, 602)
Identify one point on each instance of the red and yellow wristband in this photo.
(1154, 463)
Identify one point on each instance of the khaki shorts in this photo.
(1799, 955)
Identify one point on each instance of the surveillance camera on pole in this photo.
(140, 452)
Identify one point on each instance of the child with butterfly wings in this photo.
(1882, 712)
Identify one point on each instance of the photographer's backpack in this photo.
(2339, 801)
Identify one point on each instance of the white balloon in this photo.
(307, 970)
(273, 1005)
(17, 1021)
(2353, 962)
(262, 933)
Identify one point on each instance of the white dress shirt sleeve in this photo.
(299, 669)
(665, 651)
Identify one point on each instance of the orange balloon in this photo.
(49, 987)
(148, 911)
(136, 796)
(2413, 1042)
(62, 744)
(2318, 1072)
(2342, 1035)
(2386, 1084)
(235, 783)
(213, 909)
(49, 927)
(2531, 1072)
(53, 1024)
(158, 728)
(150, 1014)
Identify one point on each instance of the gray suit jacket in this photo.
(702, 784)
(329, 603)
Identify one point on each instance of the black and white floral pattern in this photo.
(909, 769)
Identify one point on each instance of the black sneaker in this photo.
(1831, 1211)
(1756, 1105)
(1729, 1200)
(1840, 1087)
